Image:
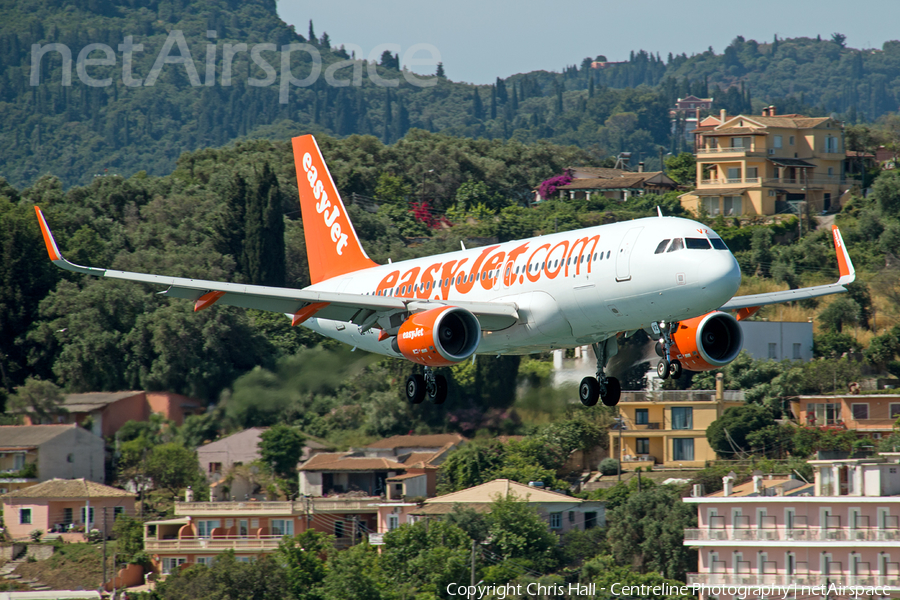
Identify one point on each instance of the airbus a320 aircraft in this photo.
(672, 277)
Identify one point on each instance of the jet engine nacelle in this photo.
(707, 342)
(439, 337)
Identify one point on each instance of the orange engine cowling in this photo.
(707, 342)
(439, 337)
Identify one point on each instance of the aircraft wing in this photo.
(359, 309)
(845, 267)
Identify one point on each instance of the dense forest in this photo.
(62, 119)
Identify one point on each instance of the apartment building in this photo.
(668, 428)
(843, 529)
(768, 164)
(869, 415)
(201, 531)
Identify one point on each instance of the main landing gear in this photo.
(667, 367)
(429, 385)
(601, 386)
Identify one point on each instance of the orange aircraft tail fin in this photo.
(332, 246)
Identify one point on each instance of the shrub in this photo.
(609, 466)
(36, 535)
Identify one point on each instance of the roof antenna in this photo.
(659, 211)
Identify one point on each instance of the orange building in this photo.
(769, 164)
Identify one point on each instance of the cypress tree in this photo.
(312, 34)
(477, 106)
(591, 87)
(263, 251)
(559, 99)
(232, 227)
(493, 102)
(386, 136)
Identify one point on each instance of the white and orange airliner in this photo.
(673, 277)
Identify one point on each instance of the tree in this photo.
(682, 168)
(39, 399)
(839, 38)
(470, 465)
(173, 467)
(263, 248)
(840, 312)
(227, 579)
(355, 573)
(129, 534)
(728, 434)
(440, 70)
(427, 556)
(280, 448)
(305, 567)
(517, 532)
(647, 532)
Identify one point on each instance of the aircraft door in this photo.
(623, 256)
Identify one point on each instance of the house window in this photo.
(831, 171)
(89, 515)
(70, 458)
(282, 526)
(860, 411)
(791, 140)
(338, 529)
(393, 522)
(170, 564)
(556, 520)
(215, 467)
(24, 516)
(895, 410)
(752, 172)
(67, 516)
(773, 350)
(641, 416)
(118, 510)
(642, 445)
(823, 413)
(734, 173)
(18, 462)
(733, 205)
(242, 528)
(776, 141)
(590, 520)
(710, 205)
(797, 352)
(205, 560)
(683, 418)
(205, 528)
(683, 449)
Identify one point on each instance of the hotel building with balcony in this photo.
(842, 529)
(769, 164)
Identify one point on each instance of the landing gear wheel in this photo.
(415, 389)
(675, 369)
(589, 391)
(659, 349)
(613, 392)
(662, 369)
(438, 392)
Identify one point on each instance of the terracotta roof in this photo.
(68, 488)
(31, 436)
(487, 492)
(634, 180)
(94, 400)
(438, 440)
(737, 131)
(405, 476)
(418, 457)
(786, 121)
(443, 509)
(345, 461)
(791, 487)
(600, 172)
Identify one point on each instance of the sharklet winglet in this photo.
(53, 250)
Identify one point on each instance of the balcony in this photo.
(735, 150)
(646, 426)
(265, 543)
(803, 535)
(892, 582)
(202, 509)
(787, 182)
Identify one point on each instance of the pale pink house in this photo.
(842, 529)
(562, 513)
(66, 506)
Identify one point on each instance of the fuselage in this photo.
(570, 288)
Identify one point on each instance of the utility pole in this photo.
(472, 570)
(619, 457)
(104, 547)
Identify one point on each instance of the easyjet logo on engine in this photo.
(323, 204)
(411, 335)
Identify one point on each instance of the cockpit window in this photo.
(718, 244)
(697, 243)
(662, 247)
(677, 244)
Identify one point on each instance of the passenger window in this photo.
(697, 243)
(662, 247)
(677, 244)
(718, 244)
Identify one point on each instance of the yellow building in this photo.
(749, 165)
(667, 428)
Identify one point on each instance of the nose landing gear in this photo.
(430, 385)
(601, 387)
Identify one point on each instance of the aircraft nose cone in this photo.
(720, 276)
